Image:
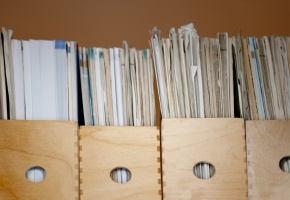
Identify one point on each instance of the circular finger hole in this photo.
(120, 175)
(284, 164)
(203, 170)
(35, 174)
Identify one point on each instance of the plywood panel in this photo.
(267, 143)
(220, 142)
(52, 145)
(106, 148)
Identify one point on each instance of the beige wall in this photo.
(107, 23)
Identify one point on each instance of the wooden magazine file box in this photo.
(220, 142)
(52, 145)
(268, 142)
(105, 148)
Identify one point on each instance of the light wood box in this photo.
(267, 143)
(52, 145)
(103, 149)
(220, 142)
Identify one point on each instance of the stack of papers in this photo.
(178, 72)
(117, 86)
(39, 79)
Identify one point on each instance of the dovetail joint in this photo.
(158, 137)
(249, 174)
(158, 148)
(250, 186)
(76, 155)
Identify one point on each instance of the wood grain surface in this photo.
(52, 145)
(220, 142)
(267, 143)
(103, 149)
